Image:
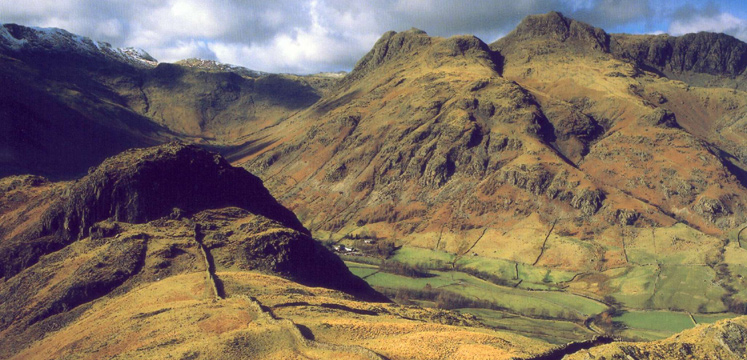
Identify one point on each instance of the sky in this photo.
(310, 36)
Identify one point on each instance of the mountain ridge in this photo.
(33, 40)
(677, 57)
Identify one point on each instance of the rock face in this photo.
(661, 118)
(142, 185)
(707, 53)
(710, 53)
(389, 46)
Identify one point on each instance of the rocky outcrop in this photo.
(21, 181)
(138, 186)
(391, 45)
(710, 208)
(145, 184)
(555, 27)
(660, 118)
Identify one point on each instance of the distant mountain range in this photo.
(68, 101)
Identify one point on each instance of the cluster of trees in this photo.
(484, 275)
(396, 267)
(382, 249)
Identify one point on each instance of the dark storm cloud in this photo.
(321, 35)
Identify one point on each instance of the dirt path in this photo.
(215, 285)
(692, 318)
(440, 235)
(625, 249)
(544, 243)
(458, 256)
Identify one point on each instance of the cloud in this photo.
(690, 19)
(189, 49)
(610, 13)
(307, 36)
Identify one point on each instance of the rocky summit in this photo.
(561, 192)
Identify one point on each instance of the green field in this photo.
(712, 318)
(653, 325)
(423, 257)
(533, 277)
(361, 270)
(553, 331)
(532, 303)
(689, 288)
(675, 245)
(634, 286)
(530, 299)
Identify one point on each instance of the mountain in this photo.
(547, 150)
(536, 197)
(68, 102)
(45, 41)
(169, 250)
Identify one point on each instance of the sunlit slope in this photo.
(548, 149)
